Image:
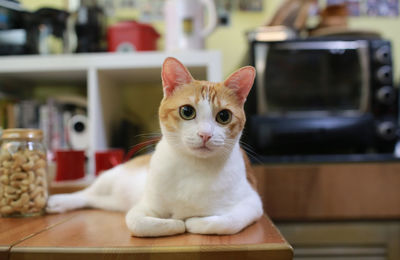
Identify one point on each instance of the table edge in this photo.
(154, 249)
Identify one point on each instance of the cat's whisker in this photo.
(250, 152)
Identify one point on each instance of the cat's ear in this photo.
(174, 74)
(241, 82)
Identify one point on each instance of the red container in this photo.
(131, 36)
(70, 165)
(107, 159)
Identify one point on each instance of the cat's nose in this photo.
(204, 136)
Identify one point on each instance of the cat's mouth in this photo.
(202, 148)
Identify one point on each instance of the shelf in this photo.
(104, 77)
(24, 65)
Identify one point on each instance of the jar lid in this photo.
(22, 133)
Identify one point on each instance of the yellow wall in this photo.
(35, 4)
(231, 40)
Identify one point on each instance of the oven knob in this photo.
(387, 130)
(382, 54)
(386, 95)
(384, 74)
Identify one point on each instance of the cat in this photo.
(195, 181)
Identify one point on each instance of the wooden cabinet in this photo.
(336, 191)
(348, 240)
(335, 211)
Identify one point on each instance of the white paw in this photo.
(155, 227)
(211, 225)
(65, 202)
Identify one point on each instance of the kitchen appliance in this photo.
(322, 96)
(13, 36)
(184, 21)
(90, 27)
(44, 31)
(48, 32)
(130, 36)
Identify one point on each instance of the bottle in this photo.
(23, 173)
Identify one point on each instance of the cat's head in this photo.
(203, 118)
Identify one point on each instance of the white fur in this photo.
(116, 189)
(211, 195)
(185, 188)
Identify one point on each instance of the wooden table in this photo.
(95, 234)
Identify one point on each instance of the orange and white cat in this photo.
(195, 180)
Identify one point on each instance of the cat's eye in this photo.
(187, 112)
(224, 117)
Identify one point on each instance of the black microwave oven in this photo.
(319, 96)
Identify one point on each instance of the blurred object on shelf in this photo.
(334, 15)
(7, 117)
(251, 5)
(12, 41)
(293, 14)
(354, 7)
(371, 8)
(290, 21)
(184, 21)
(334, 23)
(48, 32)
(70, 165)
(333, 19)
(13, 36)
(60, 124)
(56, 117)
(108, 159)
(78, 132)
(90, 27)
(131, 36)
(10, 14)
(271, 33)
(340, 32)
(27, 114)
(150, 10)
(44, 31)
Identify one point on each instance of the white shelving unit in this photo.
(101, 73)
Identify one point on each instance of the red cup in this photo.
(70, 165)
(108, 159)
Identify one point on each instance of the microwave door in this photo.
(312, 77)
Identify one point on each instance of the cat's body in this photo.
(195, 180)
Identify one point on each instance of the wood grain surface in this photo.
(15, 230)
(94, 234)
(330, 191)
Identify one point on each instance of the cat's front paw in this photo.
(65, 202)
(211, 225)
(155, 227)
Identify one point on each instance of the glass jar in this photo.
(23, 173)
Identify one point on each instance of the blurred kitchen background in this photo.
(322, 117)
